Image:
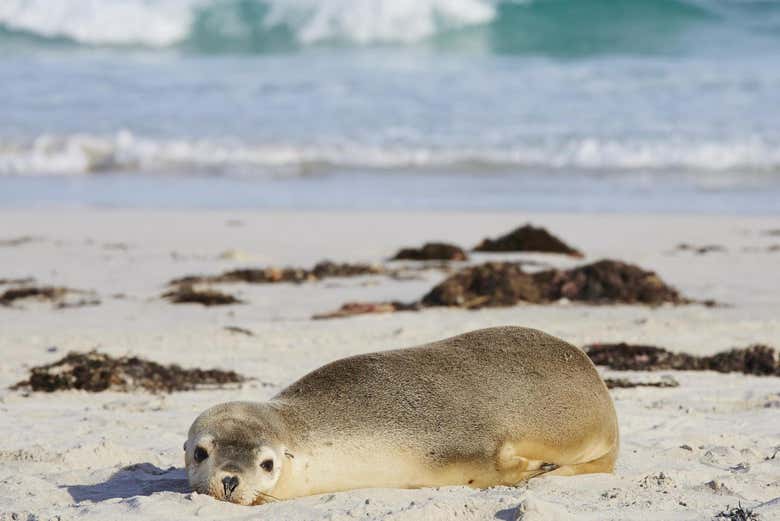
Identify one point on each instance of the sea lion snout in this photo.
(229, 484)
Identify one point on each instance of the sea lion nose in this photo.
(229, 484)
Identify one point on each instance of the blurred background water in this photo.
(561, 105)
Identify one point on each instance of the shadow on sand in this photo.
(141, 479)
(508, 514)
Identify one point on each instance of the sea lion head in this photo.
(233, 453)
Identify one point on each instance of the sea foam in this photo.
(80, 154)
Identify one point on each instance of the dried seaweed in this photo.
(501, 284)
(756, 359)
(49, 293)
(363, 308)
(57, 296)
(239, 330)
(607, 282)
(700, 250)
(738, 513)
(492, 284)
(188, 294)
(432, 251)
(506, 284)
(625, 383)
(97, 372)
(527, 239)
(271, 275)
(629, 357)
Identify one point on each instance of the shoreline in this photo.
(402, 190)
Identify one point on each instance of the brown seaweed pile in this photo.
(239, 330)
(625, 383)
(506, 284)
(607, 282)
(493, 284)
(57, 296)
(700, 250)
(756, 359)
(365, 308)
(271, 275)
(738, 513)
(49, 293)
(502, 284)
(432, 251)
(527, 239)
(96, 372)
(189, 294)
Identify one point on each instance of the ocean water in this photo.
(560, 105)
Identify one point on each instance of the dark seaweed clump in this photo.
(49, 293)
(625, 383)
(57, 296)
(756, 359)
(738, 513)
(607, 282)
(272, 275)
(365, 308)
(493, 284)
(97, 372)
(506, 284)
(188, 294)
(501, 284)
(527, 239)
(432, 251)
(700, 250)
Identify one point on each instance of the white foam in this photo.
(166, 22)
(376, 20)
(102, 21)
(79, 154)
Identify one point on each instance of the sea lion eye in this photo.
(267, 465)
(200, 454)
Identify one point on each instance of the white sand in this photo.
(64, 454)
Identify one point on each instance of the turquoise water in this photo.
(653, 105)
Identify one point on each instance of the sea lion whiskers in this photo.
(263, 497)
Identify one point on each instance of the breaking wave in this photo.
(552, 26)
(124, 152)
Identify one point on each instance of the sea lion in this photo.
(490, 407)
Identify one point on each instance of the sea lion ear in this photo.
(185, 446)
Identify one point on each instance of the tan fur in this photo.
(491, 407)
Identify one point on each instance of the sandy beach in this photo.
(687, 453)
(202, 201)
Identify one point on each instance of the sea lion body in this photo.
(489, 407)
